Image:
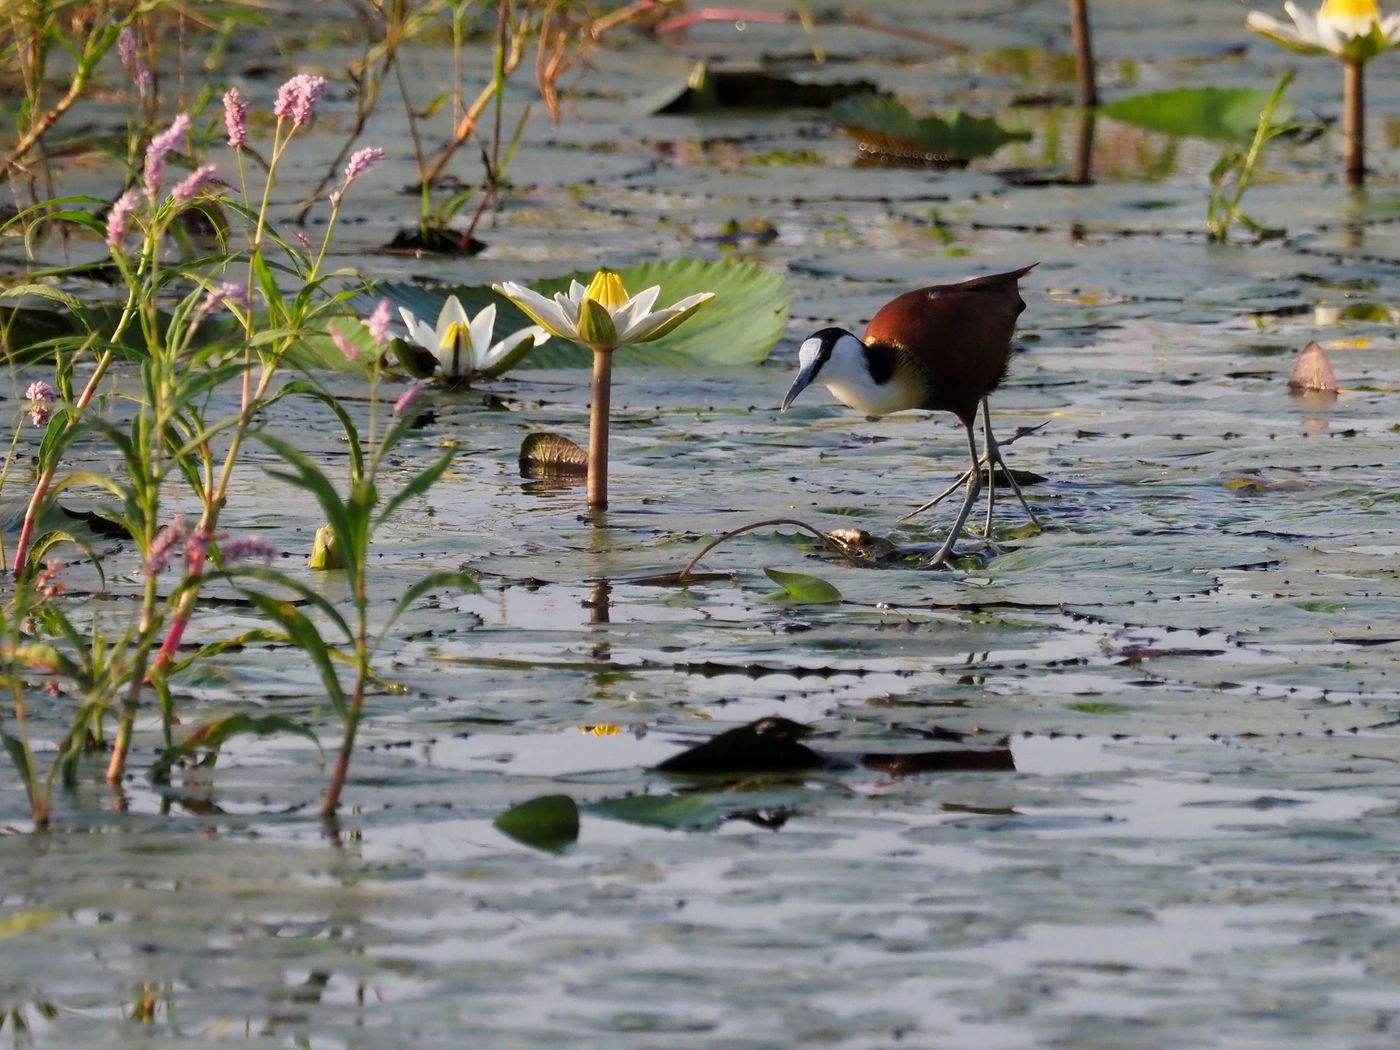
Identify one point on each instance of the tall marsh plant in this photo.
(178, 449)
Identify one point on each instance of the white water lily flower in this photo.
(1352, 30)
(462, 345)
(601, 315)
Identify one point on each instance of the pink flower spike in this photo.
(298, 97)
(158, 557)
(41, 398)
(126, 49)
(189, 187)
(407, 398)
(236, 118)
(230, 294)
(378, 323)
(344, 345)
(117, 216)
(247, 549)
(158, 150)
(361, 161)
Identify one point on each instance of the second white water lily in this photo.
(462, 344)
(1352, 30)
(602, 317)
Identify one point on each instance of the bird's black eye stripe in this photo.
(880, 360)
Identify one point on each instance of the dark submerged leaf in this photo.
(769, 745)
(549, 822)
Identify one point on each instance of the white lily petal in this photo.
(418, 332)
(636, 308)
(480, 331)
(642, 329)
(577, 292)
(546, 312)
(568, 308)
(509, 343)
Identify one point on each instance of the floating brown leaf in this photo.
(550, 455)
(1313, 371)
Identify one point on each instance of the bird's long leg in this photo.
(993, 457)
(974, 484)
(991, 460)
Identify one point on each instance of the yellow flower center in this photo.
(606, 290)
(1352, 18)
(456, 330)
(1366, 9)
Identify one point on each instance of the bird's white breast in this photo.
(847, 375)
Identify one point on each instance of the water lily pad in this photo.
(801, 587)
(1226, 114)
(885, 127)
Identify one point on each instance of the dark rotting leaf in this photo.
(437, 241)
(949, 760)
(884, 128)
(551, 455)
(769, 745)
(102, 526)
(709, 90)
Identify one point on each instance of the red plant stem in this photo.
(1354, 123)
(598, 430)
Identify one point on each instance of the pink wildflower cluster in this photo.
(167, 539)
(139, 70)
(360, 162)
(195, 546)
(378, 323)
(189, 187)
(298, 97)
(41, 398)
(158, 150)
(118, 217)
(236, 118)
(229, 293)
(247, 549)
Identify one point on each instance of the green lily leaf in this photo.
(800, 587)
(1222, 114)
(885, 127)
(549, 822)
(740, 326)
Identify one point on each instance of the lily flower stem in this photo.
(1354, 122)
(1083, 52)
(598, 430)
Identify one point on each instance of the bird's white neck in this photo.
(846, 374)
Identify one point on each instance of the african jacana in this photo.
(942, 348)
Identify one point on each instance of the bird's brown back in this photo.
(954, 339)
